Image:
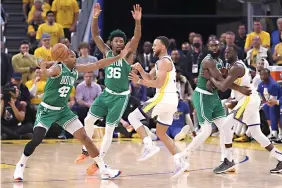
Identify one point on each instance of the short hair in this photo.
(266, 70)
(241, 24)
(83, 45)
(49, 12)
(117, 33)
(164, 40)
(185, 43)
(230, 33)
(234, 48)
(256, 20)
(199, 36)
(24, 42)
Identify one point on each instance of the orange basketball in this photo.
(59, 52)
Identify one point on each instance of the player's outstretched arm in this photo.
(95, 30)
(103, 62)
(136, 14)
(164, 67)
(51, 72)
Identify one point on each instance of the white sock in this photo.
(23, 159)
(107, 140)
(270, 129)
(100, 162)
(84, 148)
(277, 154)
(229, 154)
(280, 130)
(148, 141)
(274, 133)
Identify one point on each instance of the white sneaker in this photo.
(148, 152)
(182, 134)
(110, 174)
(18, 174)
(180, 166)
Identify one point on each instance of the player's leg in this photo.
(96, 112)
(75, 128)
(266, 110)
(44, 120)
(274, 116)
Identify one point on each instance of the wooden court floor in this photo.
(51, 166)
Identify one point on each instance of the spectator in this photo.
(241, 37)
(41, 6)
(27, 4)
(12, 114)
(261, 64)
(32, 29)
(23, 62)
(43, 53)
(230, 39)
(84, 59)
(270, 89)
(182, 122)
(67, 12)
(6, 67)
(186, 63)
(175, 56)
(54, 29)
(264, 36)
(185, 47)
(16, 79)
(139, 91)
(258, 52)
(36, 88)
(277, 55)
(276, 36)
(183, 86)
(222, 40)
(146, 59)
(191, 37)
(86, 92)
(172, 45)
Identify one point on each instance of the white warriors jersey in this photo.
(243, 81)
(168, 92)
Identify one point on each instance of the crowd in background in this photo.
(52, 22)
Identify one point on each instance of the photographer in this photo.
(12, 114)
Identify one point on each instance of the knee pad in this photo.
(135, 118)
(259, 136)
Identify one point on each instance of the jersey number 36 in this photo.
(114, 72)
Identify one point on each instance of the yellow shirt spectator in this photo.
(45, 7)
(65, 10)
(40, 85)
(56, 31)
(30, 2)
(43, 53)
(278, 53)
(265, 39)
(254, 57)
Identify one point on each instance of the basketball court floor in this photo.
(52, 165)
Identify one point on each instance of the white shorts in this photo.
(247, 110)
(164, 111)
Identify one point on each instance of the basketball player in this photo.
(206, 101)
(246, 111)
(112, 103)
(163, 105)
(54, 108)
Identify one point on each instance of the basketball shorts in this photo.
(161, 110)
(111, 106)
(47, 115)
(208, 107)
(247, 110)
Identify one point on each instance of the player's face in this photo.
(229, 54)
(214, 46)
(117, 44)
(264, 76)
(157, 47)
(260, 65)
(71, 59)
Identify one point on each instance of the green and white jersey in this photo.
(57, 90)
(116, 75)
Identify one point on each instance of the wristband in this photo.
(95, 17)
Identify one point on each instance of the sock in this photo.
(277, 154)
(23, 159)
(229, 154)
(280, 130)
(100, 162)
(148, 141)
(270, 129)
(107, 140)
(274, 133)
(84, 148)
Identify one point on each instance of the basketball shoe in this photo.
(224, 167)
(18, 174)
(180, 165)
(82, 157)
(148, 152)
(278, 168)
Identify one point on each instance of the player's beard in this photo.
(214, 55)
(156, 54)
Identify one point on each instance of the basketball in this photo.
(59, 52)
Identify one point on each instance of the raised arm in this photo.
(161, 76)
(95, 30)
(136, 14)
(103, 62)
(51, 72)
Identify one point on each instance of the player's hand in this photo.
(224, 72)
(125, 51)
(210, 86)
(231, 104)
(137, 66)
(206, 74)
(271, 102)
(133, 77)
(245, 90)
(137, 12)
(96, 10)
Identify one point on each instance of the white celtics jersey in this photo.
(243, 81)
(170, 82)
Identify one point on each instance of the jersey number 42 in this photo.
(63, 91)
